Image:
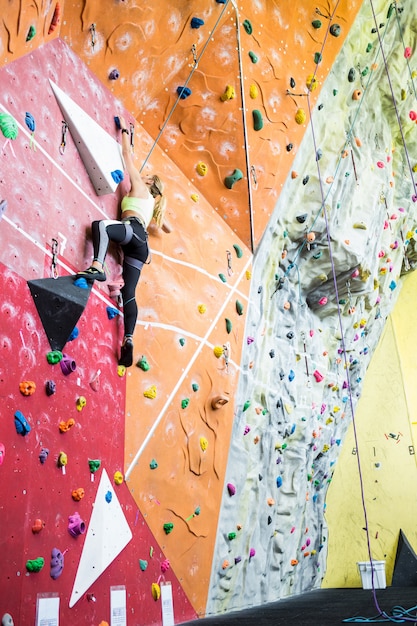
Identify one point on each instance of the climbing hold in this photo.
(258, 122)
(291, 375)
(76, 526)
(153, 464)
(62, 459)
(203, 444)
(323, 301)
(253, 91)
(114, 74)
(150, 392)
(300, 116)
(335, 30)
(223, 278)
(202, 308)
(81, 403)
(253, 57)
(357, 94)
(143, 564)
(181, 341)
(21, 424)
(38, 525)
(218, 351)
(413, 116)
(351, 74)
(195, 197)
(247, 26)
(319, 154)
(225, 564)
(306, 179)
(408, 52)
(74, 334)
(229, 93)
(292, 83)
(231, 536)
(57, 563)
(184, 403)
(108, 497)
(156, 591)
(301, 218)
(318, 376)
(168, 527)
(67, 364)
(246, 405)
(294, 174)
(195, 387)
(252, 553)
(94, 465)
(35, 565)
(231, 489)
(81, 283)
(27, 387)
(316, 24)
(279, 481)
(121, 370)
(238, 251)
(317, 57)
(78, 494)
(196, 22)
(239, 307)
(201, 168)
(143, 364)
(360, 225)
(183, 92)
(229, 181)
(55, 18)
(8, 126)
(117, 176)
(53, 357)
(65, 426)
(311, 82)
(289, 147)
(43, 455)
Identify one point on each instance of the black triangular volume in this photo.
(60, 304)
(405, 568)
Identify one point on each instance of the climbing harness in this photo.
(63, 137)
(54, 270)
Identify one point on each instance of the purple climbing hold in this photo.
(43, 455)
(76, 526)
(114, 74)
(252, 553)
(231, 489)
(50, 387)
(57, 563)
(67, 364)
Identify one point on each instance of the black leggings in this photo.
(133, 239)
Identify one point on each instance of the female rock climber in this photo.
(142, 204)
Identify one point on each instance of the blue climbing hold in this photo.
(117, 176)
(21, 424)
(279, 481)
(111, 312)
(196, 22)
(30, 121)
(74, 334)
(81, 283)
(183, 92)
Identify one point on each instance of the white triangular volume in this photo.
(100, 153)
(108, 534)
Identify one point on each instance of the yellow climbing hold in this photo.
(218, 351)
(81, 402)
(156, 591)
(121, 370)
(311, 82)
(248, 274)
(360, 225)
(202, 308)
(253, 91)
(300, 116)
(202, 168)
(203, 444)
(195, 197)
(229, 93)
(150, 392)
(118, 478)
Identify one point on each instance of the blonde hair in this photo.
(156, 190)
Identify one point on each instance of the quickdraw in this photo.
(63, 137)
(54, 270)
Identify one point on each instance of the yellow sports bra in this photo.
(142, 206)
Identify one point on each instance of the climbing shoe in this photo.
(126, 353)
(92, 273)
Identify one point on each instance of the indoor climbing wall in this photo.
(287, 132)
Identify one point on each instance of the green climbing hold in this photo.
(8, 126)
(229, 181)
(195, 387)
(317, 57)
(53, 357)
(369, 47)
(35, 565)
(365, 71)
(238, 251)
(231, 536)
(143, 364)
(185, 402)
(228, 326)
(153, 464)
(316, 24)
(335, 92)
(246, 405)
(143, 564)
(168, 528)
(223, 278)
(239, 307)
(258, 122)
(182, 341)
(335, 30)
(94, 465)
(31, 33)
(390, 9)
(248, 27)
(253, 57)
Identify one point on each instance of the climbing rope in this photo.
(196, 60)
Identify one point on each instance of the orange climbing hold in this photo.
(65, 426)
(27, 387)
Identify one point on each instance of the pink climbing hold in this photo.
(380, 164)
(318, 376)
(355, 273)
(231, 489)
(413, 116)
(252, 553)
(408, 51)
(323, 301)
